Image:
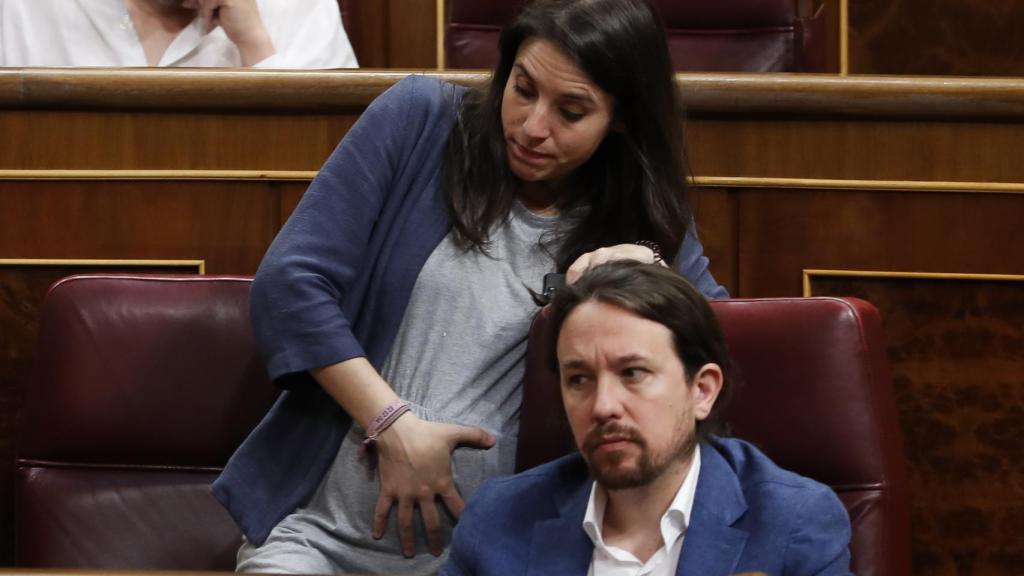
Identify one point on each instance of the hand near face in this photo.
(608, 254)
(414, 457)
(242, 23)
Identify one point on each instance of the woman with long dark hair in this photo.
(394, 305)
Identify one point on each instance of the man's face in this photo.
(631, 410)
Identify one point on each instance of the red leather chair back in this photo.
(141, 390)
(703, 35)
(814, 393)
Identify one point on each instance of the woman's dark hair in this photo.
(634, 186)
(661, 295)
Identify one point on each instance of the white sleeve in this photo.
(3, 46)
(306, 34)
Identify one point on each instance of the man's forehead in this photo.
(619, 331)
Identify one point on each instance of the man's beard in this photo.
(607, 468)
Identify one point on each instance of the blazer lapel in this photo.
(712, 546)
(559, 545)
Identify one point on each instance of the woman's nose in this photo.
(536, 124)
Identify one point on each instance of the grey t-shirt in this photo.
(458, 358)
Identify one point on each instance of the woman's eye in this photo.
(522, 91)
(572, 115)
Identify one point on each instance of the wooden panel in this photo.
(864, 149)
(953, 37)
(167, 140)
(228, 224)
(393, 33)
(367, 28)
(782, 232)
(957, 354)
(716, 215)
(413, 33)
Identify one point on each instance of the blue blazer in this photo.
(748, 515)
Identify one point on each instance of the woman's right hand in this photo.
(414, 460)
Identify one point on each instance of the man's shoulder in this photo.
(566, 473)
(534, 494)
(762, 481)
(795, 523)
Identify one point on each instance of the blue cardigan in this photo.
(748, 515)
(334, 285)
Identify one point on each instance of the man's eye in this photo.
(633, 374)
(575, 380)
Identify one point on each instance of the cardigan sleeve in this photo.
(692, 263)
(297, 298)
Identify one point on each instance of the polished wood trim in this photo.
(199, 264)
(732, 95)
(208, 89)
(268, 175)
(844, 37)
(809, 273)
(701, 181)
(858, 185)
(441, 20)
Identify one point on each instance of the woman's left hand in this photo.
(608, 254)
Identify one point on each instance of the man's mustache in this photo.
(601, 433)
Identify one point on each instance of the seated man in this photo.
(644, 373)
(184, 33)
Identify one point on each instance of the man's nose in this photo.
(608, 400)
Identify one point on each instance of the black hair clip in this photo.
(552, 282)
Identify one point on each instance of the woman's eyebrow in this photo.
(576, 94)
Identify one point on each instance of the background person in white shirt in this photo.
(644, 369)
(180, 33)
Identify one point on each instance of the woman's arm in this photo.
(414, 456)
(303, 299)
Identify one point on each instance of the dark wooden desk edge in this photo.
(948, 98)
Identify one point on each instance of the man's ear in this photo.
(707, 383)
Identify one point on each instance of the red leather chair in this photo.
(143, 386)
(141, 390)
(814, 393)
(703, 35)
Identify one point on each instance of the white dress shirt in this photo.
(613, 561)
(305, 34)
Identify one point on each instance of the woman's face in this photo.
(553, 115)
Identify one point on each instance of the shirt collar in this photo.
(674, 521)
